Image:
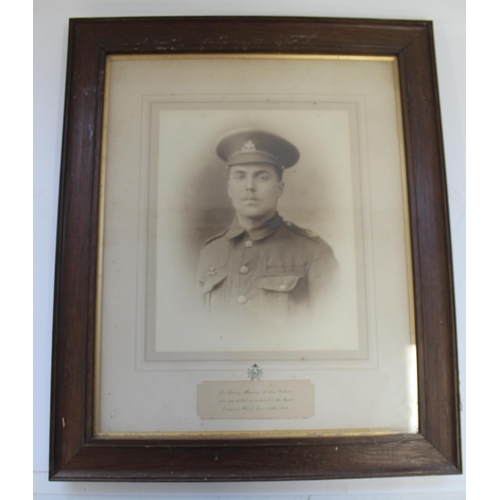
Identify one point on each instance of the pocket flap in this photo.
(281, 284)
(213, 281)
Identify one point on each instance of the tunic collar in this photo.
(269, 227)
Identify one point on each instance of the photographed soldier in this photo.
(262, 269)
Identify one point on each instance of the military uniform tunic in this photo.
(272, 274)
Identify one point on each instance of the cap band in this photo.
(245, 158)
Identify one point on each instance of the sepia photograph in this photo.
(263, 233)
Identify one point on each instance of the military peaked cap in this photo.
(246, 146)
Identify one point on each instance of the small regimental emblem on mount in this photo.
(249, 146)
(255, 372)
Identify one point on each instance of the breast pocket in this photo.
(275, 296)
(214, 291)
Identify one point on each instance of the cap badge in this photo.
(249, 146)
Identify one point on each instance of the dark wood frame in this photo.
(75, 454)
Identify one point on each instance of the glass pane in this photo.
(255, 271)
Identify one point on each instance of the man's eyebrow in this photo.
(262, 172)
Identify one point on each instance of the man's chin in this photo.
(252, 215)
(255, 215)
(250, 212)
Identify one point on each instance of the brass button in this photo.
(249, 243)
(282, 288)
(244, 270)
(242, 299)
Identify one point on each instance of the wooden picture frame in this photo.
(76, 453)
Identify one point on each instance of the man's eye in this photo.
(263, 177)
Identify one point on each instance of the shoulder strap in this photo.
(216, 236)
(299, 230)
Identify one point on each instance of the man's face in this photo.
(254, 190)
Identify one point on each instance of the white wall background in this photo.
(50, 46)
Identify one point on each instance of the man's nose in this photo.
(250, 184)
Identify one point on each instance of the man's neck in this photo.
(251, 224)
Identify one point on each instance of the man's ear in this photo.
(281, 188)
